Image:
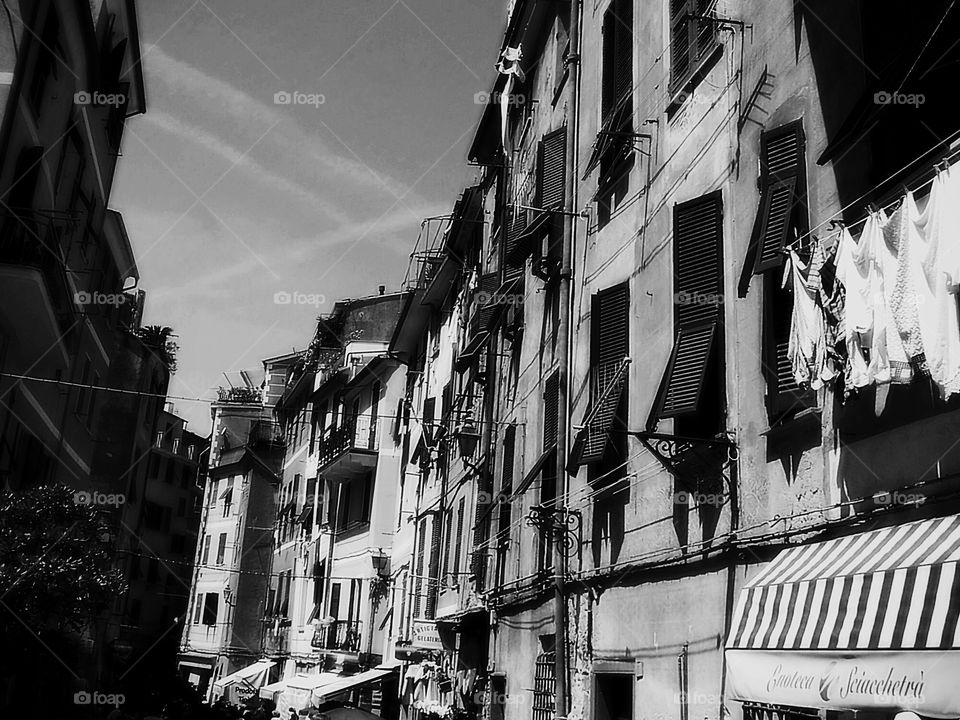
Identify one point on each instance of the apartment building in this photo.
(76, 80)
(676, 485)
(235, 544)
(336, 512)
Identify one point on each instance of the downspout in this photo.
(572, 62)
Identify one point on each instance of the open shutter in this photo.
(433, 584)
(514, 248)
(485, 302)
(551, 169)
(608, 353)
(551, 414)
(623, 49)
(782, 194)
(693, 36)
(698, 253)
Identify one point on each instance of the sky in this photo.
(291, 147)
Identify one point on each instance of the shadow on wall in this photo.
(916, 438)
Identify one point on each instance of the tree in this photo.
(56, 560)
(159, 339)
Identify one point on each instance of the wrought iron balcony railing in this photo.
(352, 433)
(342, 635)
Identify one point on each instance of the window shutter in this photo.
(698, 263)
(609, 349)
(551, 414)
(692, 39)
(680, 41)
(551, 176)
(515, 250)
(608, 85)
(485, 305)
(434, 571)
(687, 370)
(782, 194)
(418, 582)
(698, 232)
(623, 40)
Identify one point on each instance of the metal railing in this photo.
(350, 433)
(343, 635)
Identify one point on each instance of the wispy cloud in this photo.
(238, 113)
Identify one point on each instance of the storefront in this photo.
(865, 623)
(197, 670)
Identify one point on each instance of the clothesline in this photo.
(833, 217)
(889, 313)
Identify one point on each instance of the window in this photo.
(693, 38)
(181, 507)
(691, 390)
(613, 148)
(781, 217)
(221, 548)
(176, 445)
(544, 686)
(228, 498)
(562, 46)
(206, 550)
(159, 442)
(211, 601)
(191, 449)
(609, 347)
(198, 608)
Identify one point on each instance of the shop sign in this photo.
(426, 635)
(920, 681)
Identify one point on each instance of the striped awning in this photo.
(865, 621)
(896, 588)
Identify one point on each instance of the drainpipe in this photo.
(572, 62)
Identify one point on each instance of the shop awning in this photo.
(352, 682)
(865, 621)
(298, 685)
(243, 683)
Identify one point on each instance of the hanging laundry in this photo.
(901, 239)
(807, 348)
(858, 274)
(936, 269)
(509, 65)
(831, 295)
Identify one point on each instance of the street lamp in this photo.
(381, 563)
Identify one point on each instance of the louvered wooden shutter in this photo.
(698, 263)
(623, 63)
(433, 585)
(513, 254)
(422, 588)
(692, 39)
(551, 175)
(782, 194)
(609, 346)
(551, 410)
(698, 233)
(485, 301)
(481, 526)
(617, 71)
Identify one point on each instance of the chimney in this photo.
(382, 289)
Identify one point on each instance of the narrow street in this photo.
(479, 360)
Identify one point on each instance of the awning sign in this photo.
(924, 682)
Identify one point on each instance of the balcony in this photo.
(276, 636)
(338, 636)
(36, 306)
(348, 450)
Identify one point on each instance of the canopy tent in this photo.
(352, 682)
(296, 692)
(244, 683)
(864, 621)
